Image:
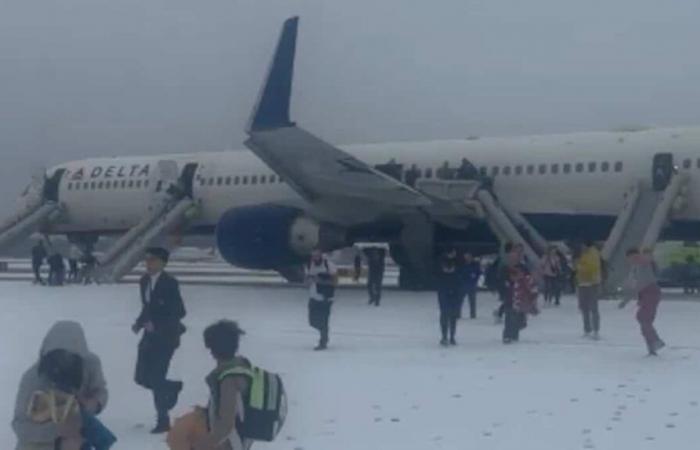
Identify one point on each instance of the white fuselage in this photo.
(582, 173)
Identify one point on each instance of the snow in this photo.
(385, 383)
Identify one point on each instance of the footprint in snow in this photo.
(457, 396)
(574, 400)
(487, 434)
(621, 386)
(694, 403)
(622, 407)
(376, 407)
(378, 419)
(674, 414)
(650, 438)
(586, 431)
(599, 390)
(608, 428)
(670, 425)
(395, 420)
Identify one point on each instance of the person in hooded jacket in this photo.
(69, 338)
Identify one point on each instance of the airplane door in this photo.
(662, 171)
(51, 186)
(187, 179)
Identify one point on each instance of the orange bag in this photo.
(187, 428)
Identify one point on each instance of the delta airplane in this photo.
(269, 207)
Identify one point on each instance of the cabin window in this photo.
(567, 168)
(579, 167)
(219, 181)
(518, 170)
(618, 166)
(495, 170)
(77, 186)
(146, 183)
(506, 170)
(687, 163)
(236, 180)
(254, 179)
(554, 169)
(263, 179)
(543, 169)
(210, 182)
(245, 179)
(108, 185)
(530, 169)
(131, 184)
(138, 184)
(592, 166)
(605, 166)
(70, 186)
(100, 185)
(228, 181)
(123, 184)
(273, 179)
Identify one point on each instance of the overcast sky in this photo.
(82, 78)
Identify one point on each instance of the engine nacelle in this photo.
(266, 237)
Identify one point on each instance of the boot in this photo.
(162, 425)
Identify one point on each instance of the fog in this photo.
(82, 78)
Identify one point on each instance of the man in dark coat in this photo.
(376, 257)
(449, 290)
(39, 254)
(160, 319)
(471, 273)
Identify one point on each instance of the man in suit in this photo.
(160, 320)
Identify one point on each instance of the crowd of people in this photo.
(78, 271)
(61, 396)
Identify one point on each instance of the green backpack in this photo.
(264, 404)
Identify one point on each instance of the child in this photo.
(521, 301)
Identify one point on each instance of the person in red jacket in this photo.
(523, 302)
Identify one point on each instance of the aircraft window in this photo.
(428, 173)
(687, 163)
(228, 181)
(618, 166)
(138, 184)
(566, 168)
(131, 184)
(100, 185)
(77, 186)
(245, 180)
(543, 169)
(592, 166)
(506, 170)
(554, 169)
(210, 182)
(518, 170)
(530, 169)
(495, 170)
(108, 185)
(93, 185)
(70, 186)
(254, 179)
(579, 167)
(123, 184)
(273, 179)
(237, 180)
(605, 166)
(263, 179)
(219, 181)
(698, 163)
(146, 183)
(85, 185)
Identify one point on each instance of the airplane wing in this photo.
(321, 173)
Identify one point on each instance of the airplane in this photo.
(269, 206)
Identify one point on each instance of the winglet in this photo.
(272, 108)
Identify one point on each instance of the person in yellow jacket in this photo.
(589, 276)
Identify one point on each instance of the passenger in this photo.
(74, 257)
(450, 287)
(39, 254)
(89, 264)
(589, 277)
(471, 273)
(57, 270)
(322, 276)
(467, 171)
(60, 395)
(510, 257)
(521, 302)
(160, 319)
(226, 407)
(376, 262)
(552, 272)
(357, 265)
(642, 284)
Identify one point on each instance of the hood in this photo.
(66, 335)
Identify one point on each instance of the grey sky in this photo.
(82, 78)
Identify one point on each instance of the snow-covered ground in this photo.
(385, 383)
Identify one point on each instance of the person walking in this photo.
(57, 269)
(376, 264)
(471, 273)
(39, 254)
(642, 284)
(449, 291)
(162, 311)
(588, 278)
(521, 301)
(552, 271)
(74, 257)
(322, 277)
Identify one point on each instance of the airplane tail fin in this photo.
(272, 108)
